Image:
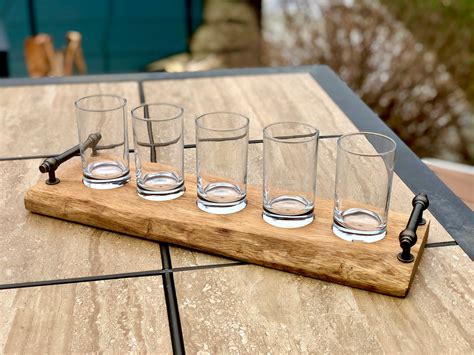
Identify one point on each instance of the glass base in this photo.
(357, 224)
(106, 184)
(161, 195)
(281, 221)
(351, 235)
(221, 208)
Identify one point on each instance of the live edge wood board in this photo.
(311, 251)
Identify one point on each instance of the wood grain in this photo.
(311, 251)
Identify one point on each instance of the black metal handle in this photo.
(408, 236)
(50, 165)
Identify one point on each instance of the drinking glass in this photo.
(289, 174)
(159, 151)
(221, 162)
(364, 172)
(106, 165)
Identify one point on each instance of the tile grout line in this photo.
(73, 280)
(449, 243)
(109, 277)
(150, 273)
(171, 300)
(186, 146)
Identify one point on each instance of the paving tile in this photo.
(250, 309)
(41, 119)
(264, 99)
(119, 316)
(34, 247)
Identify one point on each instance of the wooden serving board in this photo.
(311, 251)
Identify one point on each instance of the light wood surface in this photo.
(39, 55)
(249, 309)
(73, 55)
(42, 60)
(311, 251)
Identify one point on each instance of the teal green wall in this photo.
(118, 35)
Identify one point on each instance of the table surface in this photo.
(66, 287)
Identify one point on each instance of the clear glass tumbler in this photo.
(290, 151)
(221, 162)
(159, 151)
(365, 163)
(105, 166)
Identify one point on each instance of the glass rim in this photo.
(310, 137)
(121, 105)
(387, 152)
(151, 119)
(198, 124)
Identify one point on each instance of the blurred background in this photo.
(411, 61)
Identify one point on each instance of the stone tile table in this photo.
(66, 287)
